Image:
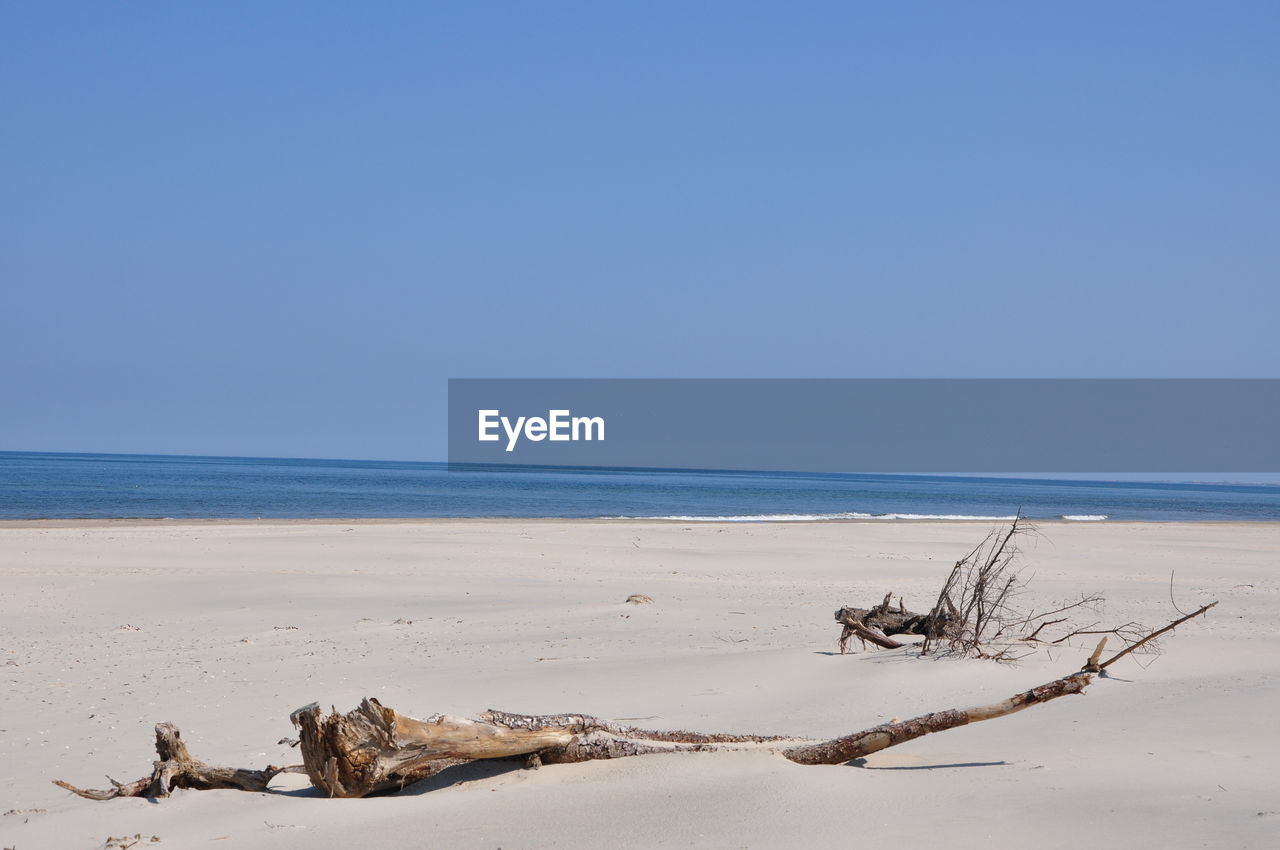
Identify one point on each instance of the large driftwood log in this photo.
(176, 768)
(375, 748)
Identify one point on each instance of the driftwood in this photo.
(878, 624)
(976, 613)
(375, 748)
(175, 768)
(887, 735)
(855, 627)
(1092, 666)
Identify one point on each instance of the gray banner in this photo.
(870, 425)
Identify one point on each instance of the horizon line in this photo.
(1094, 477)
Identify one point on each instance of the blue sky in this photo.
(276, 229)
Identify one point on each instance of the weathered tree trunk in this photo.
(374, 748)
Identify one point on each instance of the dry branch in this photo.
(974, 606)
(1035, 635)
(1129, 633)
(175, 768)
(1131, 647)
(976, 613)
(887, 735)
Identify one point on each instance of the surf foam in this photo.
(816, 517)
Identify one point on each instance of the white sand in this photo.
(528, 616)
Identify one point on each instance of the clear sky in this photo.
(276, 229)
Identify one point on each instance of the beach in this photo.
(225, 627)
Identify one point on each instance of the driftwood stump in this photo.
(878, 624)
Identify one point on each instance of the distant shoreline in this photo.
(178, 522)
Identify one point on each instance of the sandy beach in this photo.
(224, 628)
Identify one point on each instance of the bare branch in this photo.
(176, 768)
(1128, 649)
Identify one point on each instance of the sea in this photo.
(40, 486)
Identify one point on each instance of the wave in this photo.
(946, 516)
(1084, 517)
(815, 517)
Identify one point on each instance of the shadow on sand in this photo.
(456, 775)
(863, 764)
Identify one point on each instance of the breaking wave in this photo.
(814, 517)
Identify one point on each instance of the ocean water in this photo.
(102, 486)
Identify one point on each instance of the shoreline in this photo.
(175, 522)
